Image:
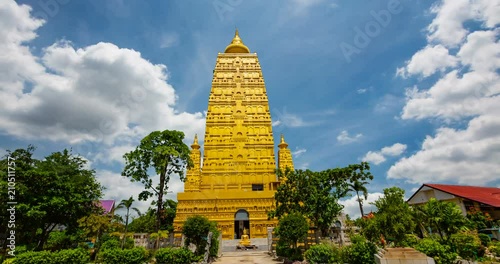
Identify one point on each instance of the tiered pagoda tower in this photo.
(236, 183)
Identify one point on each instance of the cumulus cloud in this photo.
(448, 25)
(351, 205)
(101, 98)
(96, 93)
(377, 157)
(427, 61)
(468, 93)
(345, 138)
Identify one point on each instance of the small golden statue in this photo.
(245, 241)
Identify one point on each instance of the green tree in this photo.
(55, 191)
(196, 229)
(358, 175)
(316, 194)
(127, 205)
(144, 223)
(444, 218)
(357, 187)
(164, 152)
(292, 228)
(393, 217)
(310, 194)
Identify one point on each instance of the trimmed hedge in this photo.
(175, 256)
(74, 256)
(136, 255)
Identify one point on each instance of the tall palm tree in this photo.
(127, 204)
(359, 186)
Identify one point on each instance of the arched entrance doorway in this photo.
(241, 221)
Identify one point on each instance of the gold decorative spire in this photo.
(195, 142)
(282, 144)
(237, 45)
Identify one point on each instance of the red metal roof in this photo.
(485, 195)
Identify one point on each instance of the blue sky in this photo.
(410, 86)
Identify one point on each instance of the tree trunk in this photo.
(126, 229)
(360, 205)
(160, 198)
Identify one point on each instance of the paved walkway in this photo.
(230, 245)
(247, 256)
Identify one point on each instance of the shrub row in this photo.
(76, 256)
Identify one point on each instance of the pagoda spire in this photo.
(236, 45)
(284, 155)
(282, 144)
(195, 142)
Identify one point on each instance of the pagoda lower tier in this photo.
(233, 211)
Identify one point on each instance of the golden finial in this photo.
(282, 144)
(237, 45)
(195, 142)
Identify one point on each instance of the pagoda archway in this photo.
(241, 222)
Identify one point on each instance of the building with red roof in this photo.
(486, 199)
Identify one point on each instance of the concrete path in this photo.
(230, 245)
(247, 256)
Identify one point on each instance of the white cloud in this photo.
(298, 152)
(361, 91)
(374, 157)
(394, 150)
(448, 25)
(292, 120)
(377, 157)
(468, 156)
(345, 138)
(98, 93)
(168, 40)
(351, 205)
(468, 94)
(427, 61)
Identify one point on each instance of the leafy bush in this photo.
(360, 252)
(175, 256)
(495, 249)
(110, 244)
(323, 253)
(442, 254)
(485, 239)
(136, 255)
(74, 256)
(410, 240)
(467, 245)
(284, 250)
(196, 229)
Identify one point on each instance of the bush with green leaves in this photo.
(136, 255)
(485, 239)
(74, 256)
(442, 254)
(361, 252)
(467, 244)
(323, 253)
(494, 248)
(196, 229)
(176, 256)
(410, 240)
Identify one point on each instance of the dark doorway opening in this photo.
(241, 222)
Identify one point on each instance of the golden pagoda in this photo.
(235, 183)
